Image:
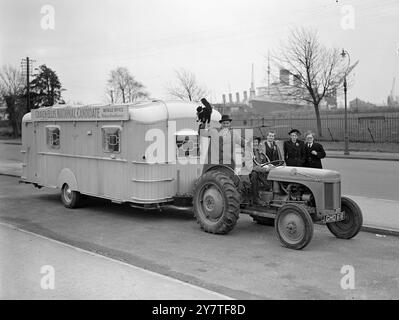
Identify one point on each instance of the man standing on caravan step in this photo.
(223, 141)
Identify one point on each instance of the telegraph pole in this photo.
(28, 64)
(346, 134)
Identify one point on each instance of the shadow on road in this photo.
(91, 204)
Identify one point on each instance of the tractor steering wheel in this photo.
(276, 163)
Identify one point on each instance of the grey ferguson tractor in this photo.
(298, 198)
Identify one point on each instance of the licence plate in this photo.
(339, 216)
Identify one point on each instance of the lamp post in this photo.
(112, 96)
(345, 53)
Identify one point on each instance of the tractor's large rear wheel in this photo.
(348, 228)
(294, 226)
(216, 203)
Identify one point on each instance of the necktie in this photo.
(224, 132)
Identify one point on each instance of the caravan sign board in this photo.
(84, 113)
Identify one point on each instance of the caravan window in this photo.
(187, 146)
(53, 137)
(111, 139)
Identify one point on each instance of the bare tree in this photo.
(122, 87)
(317, 71)
(12, 92)
(186, 86)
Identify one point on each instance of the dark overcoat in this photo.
(294, 153)
(312, 160)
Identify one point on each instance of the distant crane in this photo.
(393, 87)
(252, 91)
(392, 101)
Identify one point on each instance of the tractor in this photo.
(298, 198)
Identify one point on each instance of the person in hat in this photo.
(294, 150)
(314, 152)
(225, 123)
(222, 139)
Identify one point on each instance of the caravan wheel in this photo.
(69, 198)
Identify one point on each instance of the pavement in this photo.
(10, 168)
(79, 274)
(387, 156)
(11, 141)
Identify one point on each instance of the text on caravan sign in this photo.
(84, 113)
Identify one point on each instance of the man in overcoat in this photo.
(314, 152)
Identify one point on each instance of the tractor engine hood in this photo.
(297, 174)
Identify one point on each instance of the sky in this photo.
(217, 40)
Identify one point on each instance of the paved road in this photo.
(369, 178)
(247, 263)
(10, 152)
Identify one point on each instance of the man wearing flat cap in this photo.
(223, 141)
(294, 150)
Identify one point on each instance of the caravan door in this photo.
(29, 150)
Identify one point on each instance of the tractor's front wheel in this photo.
(350, 227)
(294, 226)
(216, 203)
